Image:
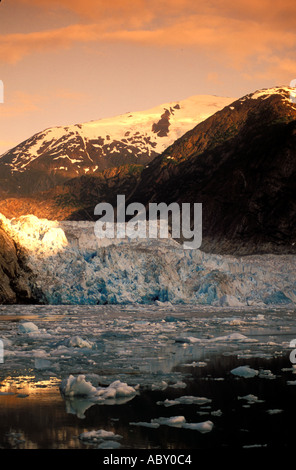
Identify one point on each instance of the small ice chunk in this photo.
(266, 374)
(216, 413)
(291, 382)
(244, 371)
(195, 364)
(159, 386)
(274, 411)
(120, 389)
(77, 386)
(95, 436)
(174, 421)
(234, 337)
(177, 422)
(77, 342)
(203, 427)
(185, 400)
(178, 384)
(187, 339)
(28, 327)
(251, 399)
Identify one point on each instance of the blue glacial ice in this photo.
(75, 267)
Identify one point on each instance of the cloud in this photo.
(13, 47)
(21, 103)
(237, 34)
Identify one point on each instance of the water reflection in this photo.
(43, 419)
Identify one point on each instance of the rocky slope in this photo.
(240, 164)
(17, 282)
(58, 154)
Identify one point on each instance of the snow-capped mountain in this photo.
(61, 153)
(240, 163)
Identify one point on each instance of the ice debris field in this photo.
(112, 355)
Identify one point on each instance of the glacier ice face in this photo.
(75, 267)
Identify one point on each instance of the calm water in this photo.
(151, 353)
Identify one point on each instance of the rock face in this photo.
(240, 164)
(16, 279)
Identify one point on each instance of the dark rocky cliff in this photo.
(16, 279)
(241, 165)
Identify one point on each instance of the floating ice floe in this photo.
(250, 399)
(159, 386)
(101, 439)
(266, 374)
(216, 413)
(291, 382)
(77, 342)
(244, 371)
(195, 364)
(185, 400)
(237, 337)
(28, 327)
(177, 422)
(274, 411)
(96, 437)
(174, 421)
(203, 427)
(187, 339)
(233, 337)
(178, 384)
(79, 387)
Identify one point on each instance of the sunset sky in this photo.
(69, 61)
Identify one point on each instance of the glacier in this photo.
(72, 266)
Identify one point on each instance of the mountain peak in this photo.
(65, 152)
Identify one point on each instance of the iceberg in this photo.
(28, 327)
(79, 387)
(244, 371)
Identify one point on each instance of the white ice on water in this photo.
(79, 387)
(245, 371)
(176, 422)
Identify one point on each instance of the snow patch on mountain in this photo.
(75, 267)
(284, 92)
(139, 133)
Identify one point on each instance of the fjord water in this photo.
(164, 352)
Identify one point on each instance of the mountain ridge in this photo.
(240, 163)
(58, 154)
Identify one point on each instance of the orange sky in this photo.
(69, 61)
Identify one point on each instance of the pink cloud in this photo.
(237, 34)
